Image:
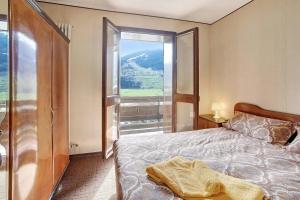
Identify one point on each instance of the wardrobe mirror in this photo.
(4, 97)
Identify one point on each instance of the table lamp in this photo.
(216, 107)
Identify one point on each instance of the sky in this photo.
(131, 46)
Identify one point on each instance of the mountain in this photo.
(153, 59)
(142, 70)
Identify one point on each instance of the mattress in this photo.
(272, 167)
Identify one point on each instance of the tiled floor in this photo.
(88, 177)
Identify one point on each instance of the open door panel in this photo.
(186, 82)
(110, 86)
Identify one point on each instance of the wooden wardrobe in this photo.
(39, 147)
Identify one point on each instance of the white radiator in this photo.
(66, 29)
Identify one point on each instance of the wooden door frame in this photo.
(189, 98)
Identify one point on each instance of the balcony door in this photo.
(110, 86)
(180, 80)
(186, 82)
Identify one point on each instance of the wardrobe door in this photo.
(60, 105)
(32, 170)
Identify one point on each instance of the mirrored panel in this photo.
(4, 98)
(184, 116)
(185, 63)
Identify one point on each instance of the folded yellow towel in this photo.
(194, 180)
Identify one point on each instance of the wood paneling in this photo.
(60, 106)
(31, 103)
(187, 98)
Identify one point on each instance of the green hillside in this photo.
(142, 73)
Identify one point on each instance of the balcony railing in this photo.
(145, 114)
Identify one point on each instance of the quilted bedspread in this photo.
(272, 167)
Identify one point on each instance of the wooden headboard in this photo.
(256, 110)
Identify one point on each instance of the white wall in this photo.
(4, 7)
(292, 56)
(255, 56)
(86, 61)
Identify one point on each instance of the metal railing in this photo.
(144, 114)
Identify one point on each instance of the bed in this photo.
(270, 166)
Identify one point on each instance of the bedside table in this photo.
(207, 121)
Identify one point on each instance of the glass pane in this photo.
(185, 64)
(168, 78)
(146, 82)
(112, 61)
(112, 125)
(184, 116)
(4, 97)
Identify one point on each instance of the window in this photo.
(142, 65)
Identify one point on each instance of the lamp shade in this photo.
(216, 106)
